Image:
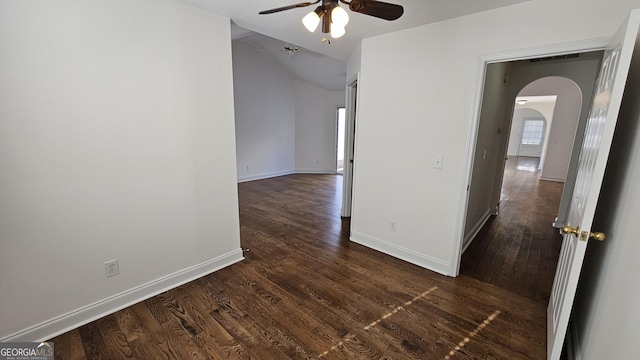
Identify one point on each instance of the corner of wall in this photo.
(402, 253)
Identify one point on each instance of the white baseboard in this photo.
(553, 178)
(402, 253)
(268, 175)
(315, 171)
(242, 179)
(84, 315)
(475, 230)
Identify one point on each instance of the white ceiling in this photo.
(287, 26)
(309, 66)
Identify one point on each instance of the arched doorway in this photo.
(559, 99)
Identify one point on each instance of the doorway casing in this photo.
(351, 111)
(578, 46)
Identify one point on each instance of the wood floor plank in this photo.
(94, 346)
(70, 346)
(304, 291)
(116, 344)
(151, 343)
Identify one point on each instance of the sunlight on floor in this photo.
(475, 332)
(527, 163)
(385, 316)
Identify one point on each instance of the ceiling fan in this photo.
(334, 18)
(293, 50)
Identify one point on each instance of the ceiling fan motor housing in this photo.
(356, 5)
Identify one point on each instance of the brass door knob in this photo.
(584, 235)
(570, 230)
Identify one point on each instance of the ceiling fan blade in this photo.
(289, 7)
(378, 9)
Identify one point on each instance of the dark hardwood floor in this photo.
(306, 292)
(518, 249)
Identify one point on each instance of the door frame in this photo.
(579, 46)
(344, 128)
(348, 173)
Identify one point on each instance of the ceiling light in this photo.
(337, 31)
(521, 101)
(333, 20)
(339, 17)
(312, 19)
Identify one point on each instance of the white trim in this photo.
(475, 230)
(476, 106)
(336, 132)
(264, 175)
(400, 252)
(472, 138)
(351, 121)
(315, 171)
(84, 315)
(564, 48)
(553, 178)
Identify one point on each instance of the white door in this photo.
(591, 166)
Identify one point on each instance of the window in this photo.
(532, 132)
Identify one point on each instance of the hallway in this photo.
(518, 249)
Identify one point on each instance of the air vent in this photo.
(557, 57)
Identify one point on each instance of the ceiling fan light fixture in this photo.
(337, 31)
(311, 21)
(334, 18)
(339, 17)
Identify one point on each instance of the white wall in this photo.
(265, 115)
(354, 62)
(423, 107)
(283, 125)
(116, 141)
(606, 308)
(487, 150)
(316, 126)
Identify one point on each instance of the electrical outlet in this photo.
(392, 225)
(111, 268)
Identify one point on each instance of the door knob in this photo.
(570, 230)
(583, 235)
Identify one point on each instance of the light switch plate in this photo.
(437, 162)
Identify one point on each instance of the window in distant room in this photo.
(532, 132)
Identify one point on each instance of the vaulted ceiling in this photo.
(287, 27)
